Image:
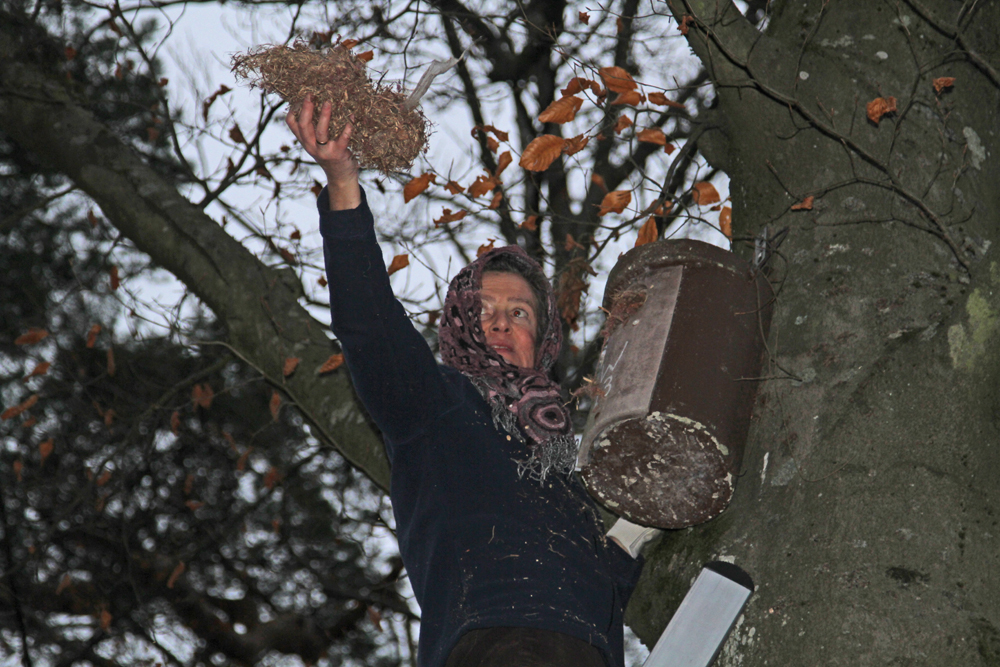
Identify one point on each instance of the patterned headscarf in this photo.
(519, 397)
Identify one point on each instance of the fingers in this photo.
(323, 124)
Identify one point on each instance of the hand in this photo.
(333, 155)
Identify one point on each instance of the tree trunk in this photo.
(866, 508)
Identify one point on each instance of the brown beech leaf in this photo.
(375, 618)
(943, 82)
(542, 152)
(455, 189)
(92, 218)
(175, 575)
(499, 134)
(497, 198)
(241, 463)
(366, 56)
(45, 448)
(652, 135)
(617, 80)
(236, 134)
(726, 221)
(291, 363)
(704, 193)
(572, 243)
(287, 255)
(416, 186)
(648, 233)
(111, 362)
(275, 405)
(492, 144)
(104, 478)
(562, 110)
(40, 369)
(622, 123)
(615, 202)
(485, 248)
(69, 52)
(619, 25)
(316, 188)
(92, 335)
(598, 180)
(398, 262)
(18, 466)
(321, 281)
(115, 282)
(333, 362)
(483, 185)
(194, 504)
(669, 148)
(175, 422)
(879, 107)
(64, 583)
(349, 43)
(629, 97)
(575, 145)
(447, 216)
(109, 417)
(685, 23)
(202, 395)
(503, 162)
(584, 18)
(579, 84)
(32, 336)
(14, 411)
(207, 104)
(105, 620)
(804, 205)
(530, 223)
(295, 235)
(272, 477)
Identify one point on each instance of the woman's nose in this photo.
(500, 323)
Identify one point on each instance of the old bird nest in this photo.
(388, 134)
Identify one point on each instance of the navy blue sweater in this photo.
(483, 546)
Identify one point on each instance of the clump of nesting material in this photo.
(388, 134)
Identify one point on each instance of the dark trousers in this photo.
(523, 647)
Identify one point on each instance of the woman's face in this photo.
(510, 318)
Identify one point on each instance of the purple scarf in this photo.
(519, 397)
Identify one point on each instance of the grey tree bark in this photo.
(866, 509)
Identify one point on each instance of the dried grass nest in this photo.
(388, 135)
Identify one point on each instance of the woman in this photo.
(504, 548)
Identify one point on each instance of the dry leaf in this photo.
(375, 618)
(64, 583)
(704, 193)
(530, 223)
(447, 216)
(454, 188)
(483, 184)
(943, 82)
(583, 16)
(879, 107)
(92, 335)
(32, 336)
(207, 104)
(685, 23)
(562, 110)
(69, 52)
(45, 448)
(662, 100)
(503, 163)
(111, 362)
(492, 144)
(669, 148)
(316, 188)
(194, 505)
(105, 620)
(18, 467)
(40, 369)
(575, 145)
(416, 186)
(485, 248)
(499, 134)
(615, 202)
(334, 362)
(241, 463)
(497, 198)
(349, 43)
(648, 233)
(617, 80)
(202, 394)
(175, 422)
(14, 411)
(652, 135)
(91, 218)
(726, 222)
(366, 56)
(572, 243)
(109, 417)
(398, 262)
(321, 281)
(804, 205)
(113, 273)
(275, 405)
(29, 422)
(236, 134)
(291, 363)
(287, 255)
(542, 152)
(598, 180)
(104, 478)
(622, 123)
(619, 25)
(175, 575)
(578, 84)
(629, 97)
(272, 477)
(570, 290)
(188, 484)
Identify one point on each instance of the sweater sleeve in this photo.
(394, 373)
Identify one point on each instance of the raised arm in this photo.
(394, 372)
